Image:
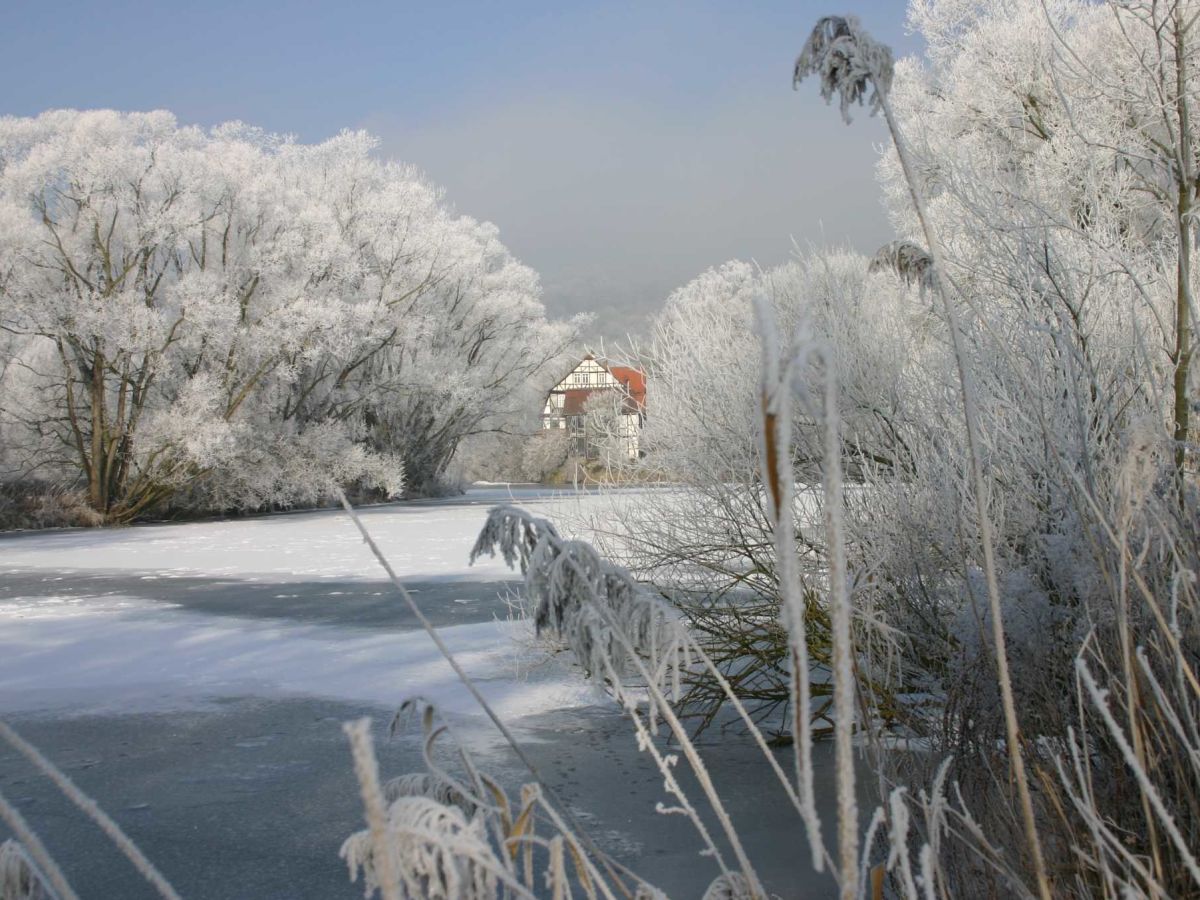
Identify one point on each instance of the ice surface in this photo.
(132, 639)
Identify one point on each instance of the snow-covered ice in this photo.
(130, 656)
(422, 540)
(121, 651)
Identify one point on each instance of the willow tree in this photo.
(248, 320)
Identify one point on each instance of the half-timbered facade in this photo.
(565, 405)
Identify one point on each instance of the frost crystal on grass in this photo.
(910, 261)
(425, 784)
(612, 624)
(439, 852)
(729, 887)
(430, 835)
(19, 880)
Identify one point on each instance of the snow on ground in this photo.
(422, 540)
(129, 656)
(122, 651)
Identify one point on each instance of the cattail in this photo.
(911, 262)
(848, 61)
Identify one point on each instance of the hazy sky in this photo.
(622, 148)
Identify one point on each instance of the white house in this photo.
(565, 404)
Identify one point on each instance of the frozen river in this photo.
(193, 678)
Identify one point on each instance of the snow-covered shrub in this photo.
(609, 431)
(492, 457)
(545, 453)
(40, 504)
(708, 541)
(1055, 207)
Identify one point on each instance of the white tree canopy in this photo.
(251, 319)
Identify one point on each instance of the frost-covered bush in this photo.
(545, 453)
(1057, 202)
(228, 315)
(709, 541)
(609, 432)
(40, 504)
(493, 456)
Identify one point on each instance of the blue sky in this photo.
(621, 147)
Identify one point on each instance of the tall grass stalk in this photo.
(844, 680)
(871, 62)
(774, 451)
(366, 770)
(1138, 767)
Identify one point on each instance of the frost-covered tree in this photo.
(1047, 139)
(608, 431)
(710, 539)
(1056, 145)
(237, 320)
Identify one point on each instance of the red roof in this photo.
(634, 382)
